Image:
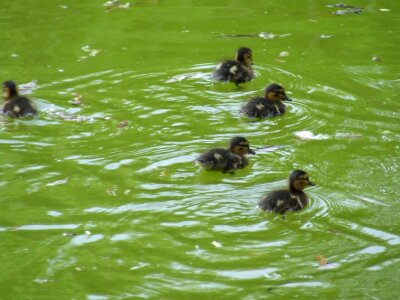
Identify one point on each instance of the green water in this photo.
(92, 211)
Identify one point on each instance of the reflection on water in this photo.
(107, 191)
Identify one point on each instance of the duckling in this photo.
(227, 160)
(15, 105)
(238, 70)
(288, 200)
(268, 106)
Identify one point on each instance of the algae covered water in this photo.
(102, 200)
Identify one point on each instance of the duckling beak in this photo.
(251, 151)
(311, 183)
(287, 99)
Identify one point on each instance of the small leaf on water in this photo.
(123, 124)
(322, 260)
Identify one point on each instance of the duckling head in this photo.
(244, 56)
(299, 180)
(9, 90)
(240, 146)
(276, 92)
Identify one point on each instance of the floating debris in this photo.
(40, 280)
(89, 51)
(263, 35)
(76, 100)
(376, 58)
(348, 9)
(58, 182)
(72, 117)
(340, 5)
(87, 232)
(216, 244)
(123, 124)
(284, 53)
(69, 234)
(111, 191)
(384, 9)
(115, 4)
(322, 260)
(325, 263)
(308, 135)
(326, 36)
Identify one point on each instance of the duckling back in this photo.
(260, 107)
(221, 160)
(19, 107)
(283, 200)
(233, 71)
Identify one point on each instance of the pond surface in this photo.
(93, 207)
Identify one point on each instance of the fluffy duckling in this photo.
(238, 70)
(227, 160)
(288, 200)
(268, 106)
(15, 105)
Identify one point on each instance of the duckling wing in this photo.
(19, 107)
(259, 108)
(233, 71)
(215, 159)
(276, 201)
(256, 108)
(225, 70)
